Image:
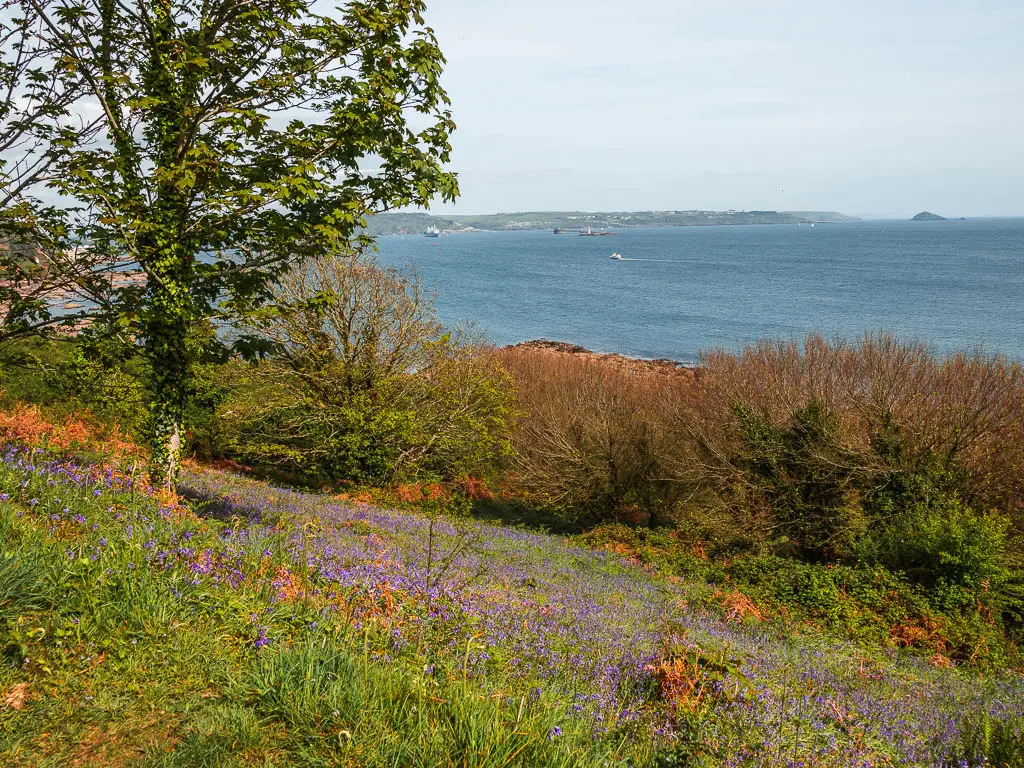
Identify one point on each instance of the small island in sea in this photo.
(928, 216)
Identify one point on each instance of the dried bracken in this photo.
(681, 683)
(17, 697)
(738, 606)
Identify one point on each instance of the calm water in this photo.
(953, 284)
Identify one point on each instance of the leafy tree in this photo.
(367, 385)
(231, 138)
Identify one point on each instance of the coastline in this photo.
(661, 366)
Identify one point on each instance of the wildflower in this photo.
(554, 733)
(4, 497)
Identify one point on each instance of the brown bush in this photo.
(966, 410)
(595, 434)
(602, 433)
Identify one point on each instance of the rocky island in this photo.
(928, 216)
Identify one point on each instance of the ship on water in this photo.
(432, 231)
(591, 233)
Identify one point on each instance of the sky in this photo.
(872, 108)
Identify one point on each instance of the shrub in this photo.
(989, 742)
(103, 374)
(804, 477)
(958, 554)
(367, 386)
(854, 601)
(596, 439)
(964, 410)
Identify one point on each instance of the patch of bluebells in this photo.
(261, 640)
(588, 624)
(592, 626)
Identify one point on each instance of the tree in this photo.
(367, 385)
(35, 97)
(232, 137)
(348, 325)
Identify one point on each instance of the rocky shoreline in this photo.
(631, 365)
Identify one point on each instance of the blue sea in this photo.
(680, 290)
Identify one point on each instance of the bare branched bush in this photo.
(966, 410)
(347, 325)
(597, 434)
(367, 385)
(595, 437)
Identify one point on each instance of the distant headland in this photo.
(583, 221)
(928, 216)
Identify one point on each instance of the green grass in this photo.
(133, 633)
(127, 664)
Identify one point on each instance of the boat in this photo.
(616, 257)
(432, 232)
(591, 233)
(559, 231)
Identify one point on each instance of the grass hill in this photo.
(236, 623)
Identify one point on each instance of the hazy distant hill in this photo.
(415, 223)
(928, 216)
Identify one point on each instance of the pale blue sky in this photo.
(872, 108)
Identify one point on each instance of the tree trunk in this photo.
(167, 321)
(167, 349)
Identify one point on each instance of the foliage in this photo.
(100, 373)
(104, 375)
(996, 743)
(204, 641)
(959, 555)
(187, 179)
(360, 442)
(804, 476)
(368, 386)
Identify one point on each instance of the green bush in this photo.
(101, 373)
(856, 601)
(804, 476)
(957, 553)
(996, 743)
(362, 441)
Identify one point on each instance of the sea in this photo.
(680, 290)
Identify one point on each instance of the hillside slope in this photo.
(255, 625)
